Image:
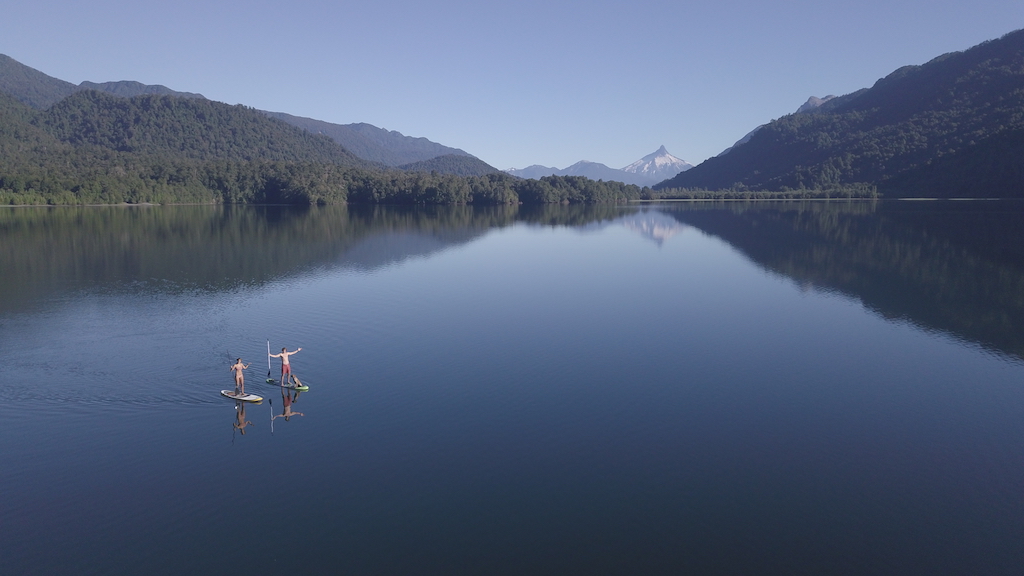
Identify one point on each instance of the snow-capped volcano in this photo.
(647, 171)
(658, 166)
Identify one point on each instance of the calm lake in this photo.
(704, 388)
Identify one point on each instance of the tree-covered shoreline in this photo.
(950, 128)
(119, 181)
(94, 148)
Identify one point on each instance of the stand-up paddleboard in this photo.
(298, 385)
(243, 397)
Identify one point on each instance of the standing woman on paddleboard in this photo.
(286, 368)
(239, 376)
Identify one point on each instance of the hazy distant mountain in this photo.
(649, 170)
(534, 171)
(592, 170)
(372, 143)
(813, 103)
(30, 86)
(595, 171)
(130, 88)
(40, 91)
(950, 127)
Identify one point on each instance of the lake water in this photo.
(791, 388)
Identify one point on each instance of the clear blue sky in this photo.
(514, 83)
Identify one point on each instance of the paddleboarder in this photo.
(239, 376)
(286, 367)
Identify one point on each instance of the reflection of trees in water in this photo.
(953, 267)
(224, 247)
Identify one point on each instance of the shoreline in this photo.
(639, 201)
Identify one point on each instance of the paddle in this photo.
(269, 379)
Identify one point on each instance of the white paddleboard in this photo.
(243, 397)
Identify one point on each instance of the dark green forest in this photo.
(452, 164)
(95, 148)
(951, 127)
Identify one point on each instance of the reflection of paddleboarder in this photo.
(287, 399)
(239, 376)
(240, 421)
(286, 368)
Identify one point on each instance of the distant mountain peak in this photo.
(653, 225)
(130, 88)
(658, 165)
(814, 102)
(651, 169)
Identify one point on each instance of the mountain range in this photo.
(93, 147)
(368, 142)
(952, 127)
(649, 170)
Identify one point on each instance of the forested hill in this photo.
(371, 143)
(951, 127)
(368, 142)
(185, 128)
(453, 164)
(93, 148)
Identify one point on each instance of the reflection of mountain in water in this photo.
(653, 225)
(953, 267)
(176, 248)
(650, 224)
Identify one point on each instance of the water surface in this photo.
(796, 388)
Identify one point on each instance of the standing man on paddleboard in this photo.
(286, 368)
(239, 376)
